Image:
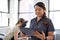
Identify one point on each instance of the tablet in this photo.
(28, 31)
(23, 24)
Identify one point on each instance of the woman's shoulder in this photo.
(15, 28)
(33, 19)
(48, 20)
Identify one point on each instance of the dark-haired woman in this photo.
(43, 23)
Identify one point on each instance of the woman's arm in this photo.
(51, 30)
(23, 35)
(40, 36)
(15, 35)
(50, 36)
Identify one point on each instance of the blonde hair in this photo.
(20, 20)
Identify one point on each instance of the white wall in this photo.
(13, 12)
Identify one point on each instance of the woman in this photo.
(43, 23)
(14, 32)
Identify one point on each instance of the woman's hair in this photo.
(42, 5)
(20, 20)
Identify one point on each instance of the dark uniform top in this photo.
(41, 26)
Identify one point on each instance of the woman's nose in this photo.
(37, 11)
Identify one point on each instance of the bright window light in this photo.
(4, 19)
(54, 5)
(4, 5)
(54, 16)
(27, 17)
(26, 6)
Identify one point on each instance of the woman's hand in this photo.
(38, 35)
(50, 38)
(23, 35)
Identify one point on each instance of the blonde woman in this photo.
(14, 32)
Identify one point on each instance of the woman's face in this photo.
(39, 11)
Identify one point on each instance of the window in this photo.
(0, 19)
(4, 19)
(54, 4)
(26, 6)
(27, 17)
(55, 19)
(55, 13)
(3, 13)
(26, 10)
(4, 5)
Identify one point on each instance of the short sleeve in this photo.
(50, 26)
(14, 29)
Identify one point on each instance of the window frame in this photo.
(8, 4)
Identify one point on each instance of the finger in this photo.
(22, 34)
(35, 34)
(38, 33)
(50, 38)
(43, 33)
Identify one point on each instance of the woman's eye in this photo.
(38, 10)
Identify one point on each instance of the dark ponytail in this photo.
(44, 15)
(44, 21)
(20, 20)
